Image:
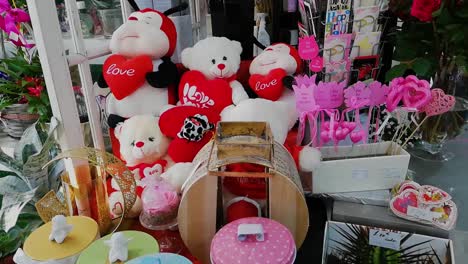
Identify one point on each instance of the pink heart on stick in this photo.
(356, 136)
(439, 104)
(349, 125)
(416, 96)
(341, 133)
(325, 136)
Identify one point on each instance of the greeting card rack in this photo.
(370, 63)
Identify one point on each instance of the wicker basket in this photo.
(16, 119)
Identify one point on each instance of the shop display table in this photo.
(380, 216)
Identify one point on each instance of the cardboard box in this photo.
(357, 168)
(349, 243)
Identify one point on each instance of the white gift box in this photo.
(365, 167)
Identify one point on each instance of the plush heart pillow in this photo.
(195, 89)
(124, 76)
(268, 86)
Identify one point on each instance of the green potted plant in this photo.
(23, 97)
(431, 43)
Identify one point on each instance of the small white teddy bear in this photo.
(118, 247)
(60, 229)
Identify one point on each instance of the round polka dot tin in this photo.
(253, 240)
(161, 258)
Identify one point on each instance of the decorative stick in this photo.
(414, 132)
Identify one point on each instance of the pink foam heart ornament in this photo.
(356, 136)
(325, 136)
(308, 48)
(416, 96)
(316, 64)
(341, 133)
(349, 125)
(440, 103)
(400, 203)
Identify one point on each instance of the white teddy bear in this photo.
(144, 149)
(118, 245)
(211, 81)
(60, 229)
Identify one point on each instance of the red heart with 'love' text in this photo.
(124, 76)
(268, 86)
(195, 89)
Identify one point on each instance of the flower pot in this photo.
(16, 119)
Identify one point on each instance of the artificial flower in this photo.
(423, 9)
(36, 91)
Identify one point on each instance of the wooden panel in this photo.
(197, 217)
(288, 206)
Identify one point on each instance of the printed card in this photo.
(338, 13)
(365, 19)
(366, 44)
(337, 48)
(337, 71)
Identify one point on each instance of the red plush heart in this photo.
(195, 89)
(124, 76)
(268, 86)
(400, 203)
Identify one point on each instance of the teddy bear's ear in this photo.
(118, 130)
(236, 46)
(186, 57)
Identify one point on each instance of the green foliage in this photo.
(14, 238)
(24, 74)
(429, 47)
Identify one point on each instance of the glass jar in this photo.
(160, 204)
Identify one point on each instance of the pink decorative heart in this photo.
(416, 96)
(399, 204)
(308, 48)
(154, 171)
(349, 125)
(439, 104)
(316, 64)
(356, 136)
(409, 185)
(325, 136)
(341, 133)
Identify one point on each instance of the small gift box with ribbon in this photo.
(61, 241)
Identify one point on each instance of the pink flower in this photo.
(423, 9)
